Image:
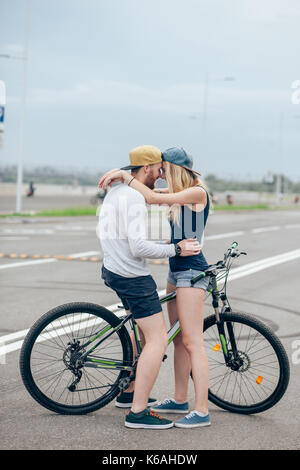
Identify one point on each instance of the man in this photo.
(122, 233)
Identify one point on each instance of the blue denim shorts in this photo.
(183, 279)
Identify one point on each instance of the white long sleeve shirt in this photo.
(122, 233)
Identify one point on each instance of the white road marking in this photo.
(13, 238)
(265, 263)
(48, 260)
(95, 253)
(85, 253)
(292, 226)
(29, 231)
(265, 229)
(48, 231)
(27, 263)
(23, 333)
(73, 234)
(236, 273)
(7, 348)
(224, 235)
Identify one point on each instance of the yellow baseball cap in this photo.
(143, 155)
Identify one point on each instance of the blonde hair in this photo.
(178, 179)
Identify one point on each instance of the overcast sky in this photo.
(107, 75)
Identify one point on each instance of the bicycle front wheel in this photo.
(49, 365)
(260, 376)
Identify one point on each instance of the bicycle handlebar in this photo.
(231, 252)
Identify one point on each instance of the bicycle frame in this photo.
(95, 361)
(98, 362)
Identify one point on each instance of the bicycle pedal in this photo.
(124, 384)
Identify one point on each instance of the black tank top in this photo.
(190, 225)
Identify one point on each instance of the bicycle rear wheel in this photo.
(260, 376)
(48, 358)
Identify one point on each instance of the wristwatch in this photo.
(177, 249)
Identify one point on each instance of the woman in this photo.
(188, 203)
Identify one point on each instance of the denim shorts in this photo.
(183, 279)
(138, 294)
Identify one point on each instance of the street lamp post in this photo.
(23, 100)
(21, 152)
(204, 118)
(278, 179)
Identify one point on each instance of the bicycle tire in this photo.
(278, 350)
(34, 337)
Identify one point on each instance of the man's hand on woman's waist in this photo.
(189, 247)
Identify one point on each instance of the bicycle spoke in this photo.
(51, 366)
(257, 375)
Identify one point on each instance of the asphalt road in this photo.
(45, 202)
(32, 286)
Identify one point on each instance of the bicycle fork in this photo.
(231, 353)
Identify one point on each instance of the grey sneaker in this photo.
(171, 406)
(193, 420)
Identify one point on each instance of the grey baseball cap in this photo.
(178, 156)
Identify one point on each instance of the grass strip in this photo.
(92, 210)
(233, 207)
(68, 212)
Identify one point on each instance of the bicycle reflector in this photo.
(217, 347)
(259, 379)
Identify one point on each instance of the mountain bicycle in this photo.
(78, 356)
